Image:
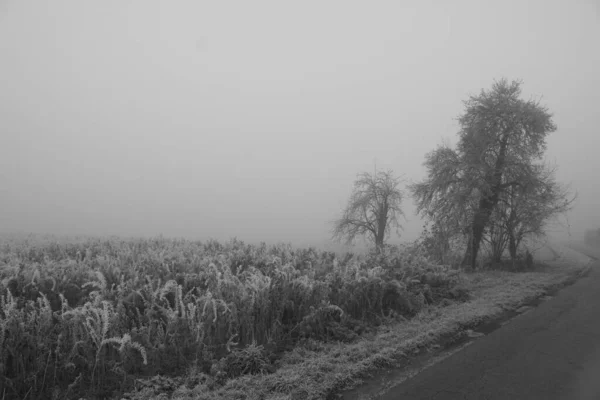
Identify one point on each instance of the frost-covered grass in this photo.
(93, 316)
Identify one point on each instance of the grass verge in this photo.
(316, 370)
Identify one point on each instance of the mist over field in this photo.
(203, 119)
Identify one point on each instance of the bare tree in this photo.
(372, 210)
(500, 135)
(528, 207)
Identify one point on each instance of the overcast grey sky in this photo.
(252, 118)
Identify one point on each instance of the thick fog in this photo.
(251, 119)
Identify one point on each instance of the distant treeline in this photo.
(592, 237)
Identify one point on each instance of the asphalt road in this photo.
(551, 352)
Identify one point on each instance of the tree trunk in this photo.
(512, 247)
(378, 242)
(498, 244)
(518, 240)
(497, 254)
(469, 251)
(381, 224)
(486, 206)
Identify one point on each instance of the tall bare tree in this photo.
(373, 209)
(500, 135)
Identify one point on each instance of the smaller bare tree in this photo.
(526, 209)
(372, 210)
(535, 204)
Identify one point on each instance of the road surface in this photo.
(552, 352)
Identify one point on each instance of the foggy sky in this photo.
(252, 118)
